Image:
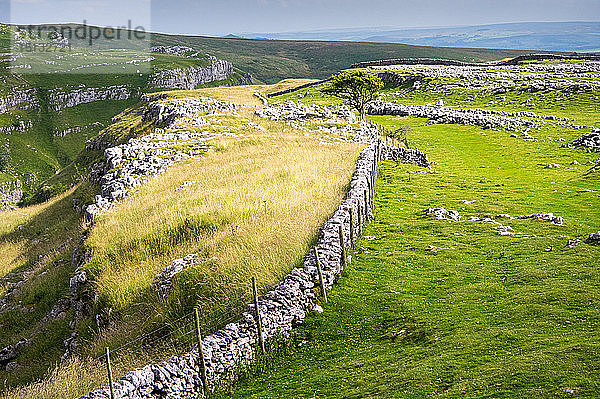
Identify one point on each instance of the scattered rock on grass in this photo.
(163, 280)
(589, 141)
(594, 238)
(505, 231)
(185, 185)
(557, 220)
(505, 215)
(436, 249)
(443, 214)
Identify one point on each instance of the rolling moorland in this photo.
(55, 114)
(552, 36)
(184, 195)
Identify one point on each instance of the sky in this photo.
(221, 17)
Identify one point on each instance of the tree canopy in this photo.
(358, 87)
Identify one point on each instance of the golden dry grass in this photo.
(62, 382)
(70, 381)
(255, 208)
(23, 233)
(241, 95)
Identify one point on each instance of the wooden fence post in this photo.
(261, 340)
(321, 281)
(343, 245)
(201, 363)
(366, 205)
(351, 227)
(359, 218)
(110, 376)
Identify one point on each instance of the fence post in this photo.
(321, 281)
(369, 181)
(359, 219)
(366, 204)
(201, 363)
(261, 340)
(110, 376)
(374, 164)
(343, 245)
(351, 227)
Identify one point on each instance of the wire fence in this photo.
(180, 335)
(173, 338)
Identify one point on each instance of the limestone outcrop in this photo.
(189, 78)
(10, 194)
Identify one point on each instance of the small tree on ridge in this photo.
(359, 88)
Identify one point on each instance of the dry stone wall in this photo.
(281, 309)
(488, 119)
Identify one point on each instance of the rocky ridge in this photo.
(60, 99)
(291, 111)
(335, 123)
(19, 99)
(127, 165)
(498, 79)
(189, 78)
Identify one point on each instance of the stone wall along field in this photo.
(281, 309)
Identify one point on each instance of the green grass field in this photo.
(427, 308)
(433, 308)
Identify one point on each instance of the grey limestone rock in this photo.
(442, 214)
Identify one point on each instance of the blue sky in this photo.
(219, 17)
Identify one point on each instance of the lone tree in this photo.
(359, 88)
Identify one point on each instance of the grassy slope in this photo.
(490, 316)
(39, 240)
(247, 186)
(267, 60)
(35, 156)
(272, 60)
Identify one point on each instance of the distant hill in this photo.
(550, 36)
(272, 60)
(45, 154)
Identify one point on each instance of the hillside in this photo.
(549, 36)
(154, 201)
(272, 60)
(49, 111)
(477, 277)
(70, 99)
(221, 201)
